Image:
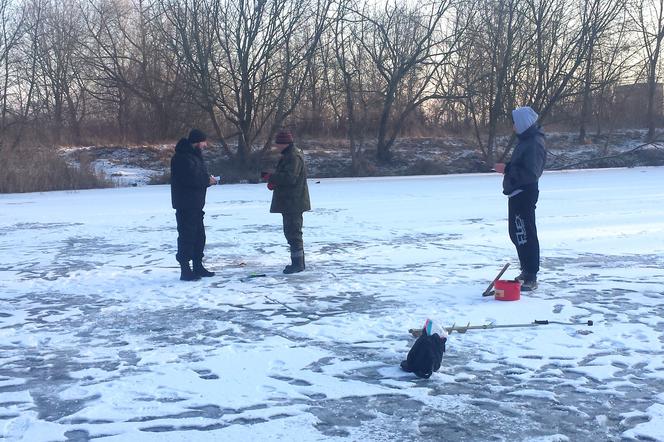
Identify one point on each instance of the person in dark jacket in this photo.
(291, 196)
(521, 185)
(189, 182)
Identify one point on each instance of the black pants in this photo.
(191, 235)
(293, 233)
(523, 231)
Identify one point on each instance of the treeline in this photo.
(128, 71)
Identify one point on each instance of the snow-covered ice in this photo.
(100, 340)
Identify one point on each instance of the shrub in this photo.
(38, 169)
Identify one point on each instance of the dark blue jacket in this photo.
(189, 177)
(527, 162)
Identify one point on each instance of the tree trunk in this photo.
(122, 115)
(383, 153)
(356, 160)
(586, 104)
(217, 131)
(73, 120)
(57, 119)
(652, 88)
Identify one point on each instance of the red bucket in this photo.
(505, 290)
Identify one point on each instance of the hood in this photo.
(184, 146)
(533, 130)
(523, 117)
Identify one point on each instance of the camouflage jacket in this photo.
(291, 193)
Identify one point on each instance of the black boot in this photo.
(186, 274)
(529, 284)
(528, 281)
(525, 276)
(201, 271)
(296, 266)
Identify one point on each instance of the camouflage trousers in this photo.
(293, 233)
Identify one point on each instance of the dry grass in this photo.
(162, 178)
(39, 169)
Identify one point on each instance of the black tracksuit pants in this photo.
(191, 235)
(522, 228)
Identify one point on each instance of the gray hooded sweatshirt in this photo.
(527, 162)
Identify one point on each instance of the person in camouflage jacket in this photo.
(291, 196)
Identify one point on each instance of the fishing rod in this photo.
(463, 329)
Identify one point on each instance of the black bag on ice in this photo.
(425, 356)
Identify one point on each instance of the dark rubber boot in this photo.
(186, 274)
(296, 266)
(201, 271)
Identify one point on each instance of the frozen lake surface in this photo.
(99, 340)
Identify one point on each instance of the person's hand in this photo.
(271, 186)
(265, 176)
(213, 180)
(499, 167)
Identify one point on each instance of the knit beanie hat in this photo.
(283, 137)
(523, 118)
(196, 136)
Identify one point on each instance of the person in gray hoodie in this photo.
(521, 185)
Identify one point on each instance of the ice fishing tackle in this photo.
(463, 329)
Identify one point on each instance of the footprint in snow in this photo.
(276, 364)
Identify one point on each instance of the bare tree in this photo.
(601, 14)
(496, 57)
(347, 72)
(27, 72)
(408, 46)
(560, 38)
(611, 66)
(248, 61)
(59, 87)
(188, 27)
(131, 63)
(529, 52)
(149, 68)
(564, 35)
(648, 16)
(11, 33)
